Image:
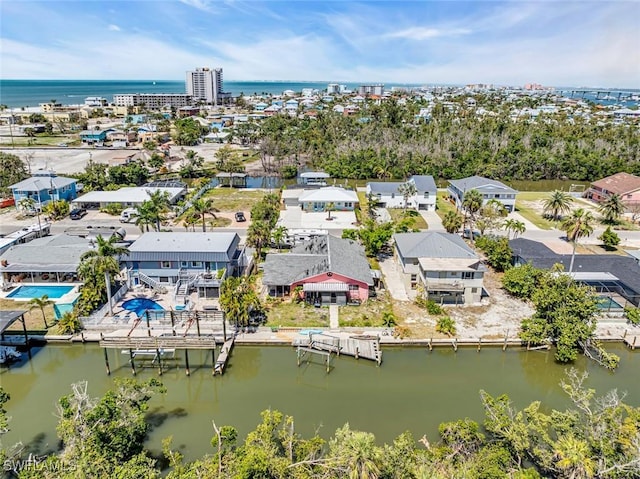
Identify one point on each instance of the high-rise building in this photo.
(205, 84)
(366, 90)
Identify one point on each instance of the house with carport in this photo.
(388, 194)
(490, 190)
(447, 268)
(325, 270)
(319, 199)
(44, 186)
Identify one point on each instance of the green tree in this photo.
(521, 281)
(69, 323)
(565, 313)
(407, 190)
(41, 303)
(12, 170)
(188, 132)
(577, 225)
(238, 299)
(103, 260)
(278, 235)
(156, 206)
(356, 453)
(329, 207)
(609, 239)
(258, 235)
(514, 226)
(498, 251)
(471, 204)
(446, 325)
(612, 209)
(203, 207)
(558, 203)
(452, 222)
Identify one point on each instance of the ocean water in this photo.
(23, 93)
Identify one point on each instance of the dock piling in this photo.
(131, 360)
(479, 343)
(430, 344)
(106, 362)
(159, 356)
(186, 362)
(454, 341)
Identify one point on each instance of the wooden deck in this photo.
(356, 346)
(223, 357)
(632, 341)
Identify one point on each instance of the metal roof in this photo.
(423, 184)
(187, 246)
(314, 174)
(40, 183)
(329, 194)
(52, 253)
(7, 318)
(134, 195)
(482, 184)
(432, 244)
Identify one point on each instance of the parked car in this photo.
(467, 234)
(240, 216)
(77, 213)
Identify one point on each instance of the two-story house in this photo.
(490, 190)
(389, 194)
(185, 261)
(448, 270)
(626, 185)
(44, 186)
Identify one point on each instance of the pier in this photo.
(325, 345)
(156, 336)
(632, 341)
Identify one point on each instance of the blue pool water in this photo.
(29, 292)
(608, 303)
(140, 305)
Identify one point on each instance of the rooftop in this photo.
(619, 183)
(329, 194)
(130, 194)
(433, 244)
(188, 242)
(481, 183)
(39, 183)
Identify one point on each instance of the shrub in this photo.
(113, 209)
(434, 308)
(498, 252)
(521, 281)
(633, 314)
(446, 325)
(609, 239)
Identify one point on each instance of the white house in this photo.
(448, 270)
(318, 200)
(490, 190)
(389, 194)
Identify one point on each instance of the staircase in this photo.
(152, 283)
(182, 288)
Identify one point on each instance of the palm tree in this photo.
(158, 204)
(278, 235)
(258, 234)
(514, 226)
(407, 190)
(577, 225)
(29, 204)
(557, 203)
(146, 217)
(41, 303)
(574, 457)
(202, 207)
(329, 207)
(103, 259)
(471, 203)
(452, 222)
(612, 208)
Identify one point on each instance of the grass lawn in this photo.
(297, 315)
(32, 318)
(234, 199)
(524, 206)
(397, 214)
(443, 205)
(368, 314)
(25, 141)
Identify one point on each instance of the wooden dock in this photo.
(632, 341)
(365, 347)
(223, 357)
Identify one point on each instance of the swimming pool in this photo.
(29, 292)
(608, 303)
(140, 305)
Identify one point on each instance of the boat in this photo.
(9, 354)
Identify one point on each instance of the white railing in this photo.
(97, 316)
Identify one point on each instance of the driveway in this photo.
(392, 277)
(433, 220)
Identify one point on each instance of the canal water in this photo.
(413, 390)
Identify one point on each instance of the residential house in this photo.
(94, 136)
(610, 274)
(314, 178)
(128, 197)
(448, 270)
(335, 196)
(388, 194)
(327, 270)
(185, 261)
(490, 190)
(44, 186)
(624, 184)
(50, 258)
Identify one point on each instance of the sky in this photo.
(553, 43)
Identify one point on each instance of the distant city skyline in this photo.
(553, 43)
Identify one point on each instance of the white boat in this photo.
(8, 354)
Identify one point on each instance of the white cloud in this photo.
(113, 28)
(204, 5)
(424, 33)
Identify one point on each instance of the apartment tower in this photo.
(205, 84)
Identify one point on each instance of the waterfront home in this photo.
(314, 178)
(94, 136)
(388, 194)
(490, 190)
(44, 186)
(611, 275)
(127, 197)
(325, 269)
(448, 270)
(51, 258)
(186, 261)
(339, 199)
(624, 184)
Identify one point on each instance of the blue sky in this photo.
(587, 42)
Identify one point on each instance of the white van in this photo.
(128, 215)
